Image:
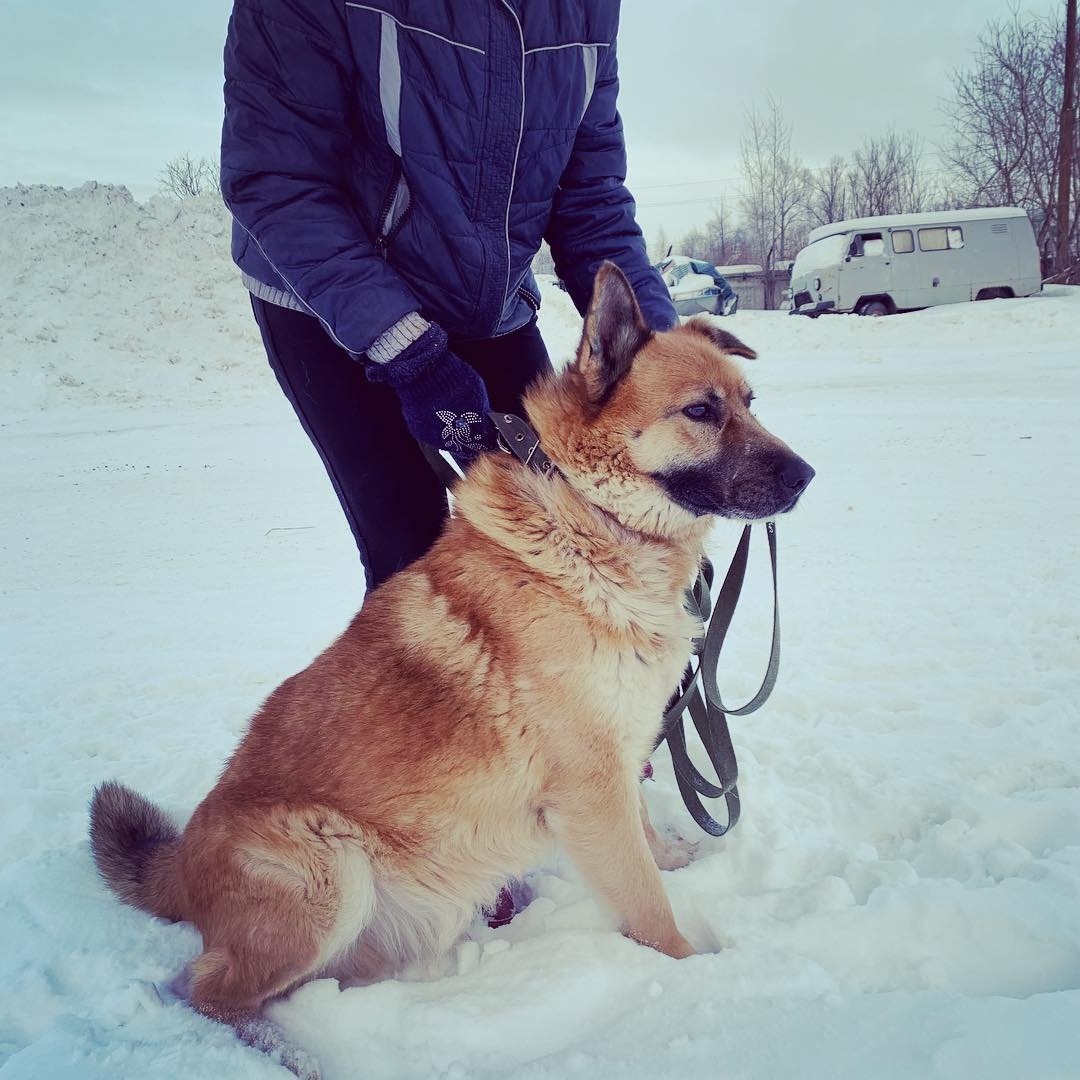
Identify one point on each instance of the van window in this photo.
(867, 244)
(902, 241)
(933, 239)
(941, 239)
(821, 254)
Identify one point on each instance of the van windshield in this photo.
(828, 251)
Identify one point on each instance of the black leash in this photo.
(698, 693)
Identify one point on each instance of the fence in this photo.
(759, 290)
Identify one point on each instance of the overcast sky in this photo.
(110, 90)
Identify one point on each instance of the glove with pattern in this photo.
(444, 401)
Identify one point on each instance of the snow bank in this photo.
(104, 297)
(902, 896)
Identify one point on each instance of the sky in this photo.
(109, 91)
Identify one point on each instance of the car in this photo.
(697, 287)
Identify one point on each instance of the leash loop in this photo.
(699, 694)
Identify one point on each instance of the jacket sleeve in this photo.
(285, 145)
(592, 216)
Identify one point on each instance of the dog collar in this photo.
(517, 438)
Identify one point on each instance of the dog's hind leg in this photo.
(231, 982)
(595, 815)
(284, 893)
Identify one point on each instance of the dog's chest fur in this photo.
(599, 611)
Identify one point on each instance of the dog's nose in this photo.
(795, 475)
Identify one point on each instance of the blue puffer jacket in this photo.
(409, 156)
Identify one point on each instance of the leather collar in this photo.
(517, 438)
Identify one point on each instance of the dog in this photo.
(496, 698)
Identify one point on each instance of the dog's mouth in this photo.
(769, 489)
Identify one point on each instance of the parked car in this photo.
(697, 286)
(878, 266)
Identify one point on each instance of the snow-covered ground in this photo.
(902, 896)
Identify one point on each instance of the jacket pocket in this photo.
(395, 209)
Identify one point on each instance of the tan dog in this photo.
(496, 697)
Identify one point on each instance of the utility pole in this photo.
(1067, 142)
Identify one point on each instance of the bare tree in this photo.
(886, 176)
(185, 176)
(827, 193)
(721, 240)
(775, 187)
(659, 247)
(725, 241)
(1007, 118)
(1067, 141)
(693, 243)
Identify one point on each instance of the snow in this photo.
(691, 285)
(821, 254)
(901, 896)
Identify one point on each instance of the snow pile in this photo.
(902, 896)
(107, 300)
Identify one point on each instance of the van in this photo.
(881, 265)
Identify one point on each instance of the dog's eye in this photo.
(700, 411)
(749, 398)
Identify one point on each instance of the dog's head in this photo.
(656, 427)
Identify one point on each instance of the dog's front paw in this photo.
(672, 852)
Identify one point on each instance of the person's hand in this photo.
(444, 401)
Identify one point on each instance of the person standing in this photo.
(392, 169)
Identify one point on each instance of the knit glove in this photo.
(443, 400)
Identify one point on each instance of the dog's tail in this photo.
(135, 847)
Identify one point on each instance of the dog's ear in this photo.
(614, 334)
(724, 341)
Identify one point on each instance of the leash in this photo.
(698, 693)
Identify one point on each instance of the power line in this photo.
(687, 183)
(683, 202)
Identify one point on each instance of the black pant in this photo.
(394, 504)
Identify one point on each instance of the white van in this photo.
(878, 266)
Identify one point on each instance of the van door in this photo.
(908, 286)
(942, 265)
(865, 271)
(992, 256)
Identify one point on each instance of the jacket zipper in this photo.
(403, 213)
(389, 228)
(532, 301)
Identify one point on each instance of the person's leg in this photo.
(392, 500)
(507, 364)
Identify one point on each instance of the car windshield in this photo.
(828, 251)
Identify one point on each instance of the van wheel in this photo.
(1002, 293)
(874, 307)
